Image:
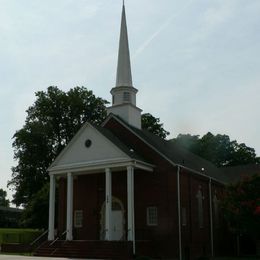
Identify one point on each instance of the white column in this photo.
(179, 211)
(69, 206)
(51, 208)
(211, 219)
(108, 204)
(133, 211)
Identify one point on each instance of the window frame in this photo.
(78, 217)
(184, 216)
(216, 214)
(152, 216)
(200, 199)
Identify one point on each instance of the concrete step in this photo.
(90, 249)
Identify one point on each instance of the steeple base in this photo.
(128, 112)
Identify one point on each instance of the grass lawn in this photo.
(16, 230)
(18, 235)
(23, 254)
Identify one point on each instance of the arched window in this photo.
(200, 199)
(216, 209)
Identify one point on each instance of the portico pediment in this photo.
(88, 147)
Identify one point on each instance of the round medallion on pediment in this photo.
(88, 143)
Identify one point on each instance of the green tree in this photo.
(36, 213)
(241, 207)
(218, 149)
(3, 200)
(243, 153)
(188, 141)
(50, 123)
(153, 125)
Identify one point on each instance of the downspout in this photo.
(179, 211)
(133, 221)
(211, 219)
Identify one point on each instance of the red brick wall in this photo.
(86, 198)
(157, 188)
(196, 239)
(151, 189)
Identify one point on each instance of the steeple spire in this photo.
(124, 76)
(124, 94)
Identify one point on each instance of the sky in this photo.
(195, 62)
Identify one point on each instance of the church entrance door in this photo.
(117, 220)
(117, 225)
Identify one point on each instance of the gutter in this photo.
(211, 220)
(179, 211)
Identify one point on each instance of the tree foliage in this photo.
(50, 123)
(36, 213)
(241, 206)
(153, 125)
(218, 149)
(3, 200)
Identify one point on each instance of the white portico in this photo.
(91, 152)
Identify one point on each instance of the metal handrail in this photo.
(57, 238)
(38, 238)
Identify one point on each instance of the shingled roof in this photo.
(175, 153)
(130, 152)
(181, 156)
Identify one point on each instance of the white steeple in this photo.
(123, 76)
(124, 94)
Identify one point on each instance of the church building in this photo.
(121, 191)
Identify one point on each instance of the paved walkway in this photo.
(18, 257)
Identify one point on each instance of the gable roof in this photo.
(174, 153)
(105, 149)
(131, 153)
